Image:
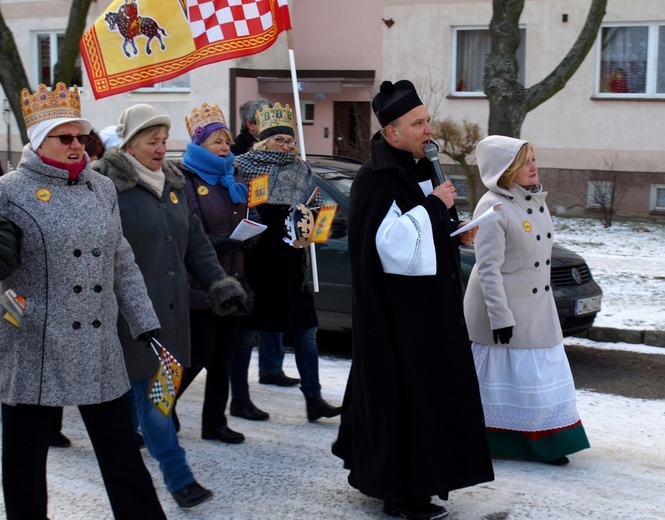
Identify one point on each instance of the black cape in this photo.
(412, 420)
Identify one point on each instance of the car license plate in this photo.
(587, 305)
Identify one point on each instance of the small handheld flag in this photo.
(258, 191)
(165, 384)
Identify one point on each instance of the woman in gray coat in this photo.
(169, 244)
(525, 381)
(77, 271)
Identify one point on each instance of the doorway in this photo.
(351, 129)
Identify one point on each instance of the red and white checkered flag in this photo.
(215, 20)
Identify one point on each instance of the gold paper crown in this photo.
(272, 118)
(204, 117)
(45, 104)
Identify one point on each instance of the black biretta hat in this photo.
(394, 100)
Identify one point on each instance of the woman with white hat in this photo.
(525, 380)
(77, 272)
(169, 244)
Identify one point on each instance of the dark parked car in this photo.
(577, 295)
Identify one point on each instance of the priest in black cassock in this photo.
(412, 424)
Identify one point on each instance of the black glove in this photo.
(226, 296)
(147, 336)
(246, 305)
(503, 335)
(225, 245)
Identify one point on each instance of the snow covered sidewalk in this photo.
(285, 470)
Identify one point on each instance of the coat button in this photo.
(170, 273)
(547, 262)
(537, 237)
(547, 287)
(77, 253)
(549, 235)
(169, 238)
(542, 210)
(460, 321)
(528, 197)
(96, 252)
(77, 289)
(453, 276)
(537, 264)
(96, 324)
(529, 211)
(76, 325)
(535, 290)
(97, 288)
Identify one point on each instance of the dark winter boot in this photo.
(317, 408)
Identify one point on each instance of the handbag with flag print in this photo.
(165, 384)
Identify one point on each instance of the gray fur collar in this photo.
(118, 168)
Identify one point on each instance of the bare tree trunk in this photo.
(13, 77)
(12, 74)
(69, 51)
(502, 87)
(509, 100)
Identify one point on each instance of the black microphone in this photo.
(432, 153)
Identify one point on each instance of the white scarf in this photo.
(154, 179)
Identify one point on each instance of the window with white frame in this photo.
(179, 84)
(631, 60)
(600, 194)
(657, 202)
(48, 44)
(471, 45)
(307, 112)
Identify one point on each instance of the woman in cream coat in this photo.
(525, 380)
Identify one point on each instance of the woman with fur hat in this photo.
(525, 381)
(77, 272)
(169, 244)
(276, 270)
(218, 196)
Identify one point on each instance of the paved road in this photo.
(615, 372)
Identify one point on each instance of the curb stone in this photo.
(654, 338)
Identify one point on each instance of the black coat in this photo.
(278, 272)
(243, 143)
(169, 244)
(412, 421)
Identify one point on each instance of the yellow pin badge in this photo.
(526, 225)
(173, 197)
(43, 194)
(202, 190)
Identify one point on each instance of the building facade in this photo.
(598, 141)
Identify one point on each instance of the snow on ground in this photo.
(627, 260)
(285, 469)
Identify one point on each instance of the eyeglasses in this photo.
(67, 139)
(280, 141)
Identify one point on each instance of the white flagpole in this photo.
(301, 141)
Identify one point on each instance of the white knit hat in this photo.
(109, 137)
(137, 118)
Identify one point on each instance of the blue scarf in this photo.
(214, 169)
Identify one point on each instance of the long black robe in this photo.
(412, 420)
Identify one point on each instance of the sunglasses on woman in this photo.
(280, 141)
(67, 139)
